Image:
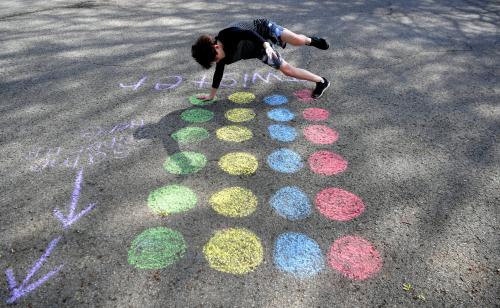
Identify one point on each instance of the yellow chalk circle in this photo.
(235, 251)
(238, 163)
(240, 115)
(234, 202)
(242, 97)
(234, 133)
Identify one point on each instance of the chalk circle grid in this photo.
(193, 99)
(156, 248)
(242, 97)
(235, 251)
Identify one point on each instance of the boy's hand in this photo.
(271, 54)
(205, 98)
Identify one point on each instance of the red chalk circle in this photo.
(304, 95)
(338, 204)
(354, 257)
(327, 163)
(315, 114)
(320, 134)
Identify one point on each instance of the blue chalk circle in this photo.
(297, 254)
(284, 133)
(280, 114)
(291, 203)
(285, 160)
(276, 100)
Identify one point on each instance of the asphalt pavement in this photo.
(385, 192)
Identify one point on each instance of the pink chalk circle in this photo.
(315, 114)
(304, 95)
(327, 163)
(354, 257)
(320, 134)
(338, 204)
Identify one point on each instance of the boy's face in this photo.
(219, 53)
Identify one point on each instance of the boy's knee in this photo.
(286, 69)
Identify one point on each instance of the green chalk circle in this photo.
(172, 199)
(190, 134)
(185, 163)
(197, 115)
(199, 102)
(156, 248)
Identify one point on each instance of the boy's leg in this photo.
(295, 39)
(321, 83)
(298, 73)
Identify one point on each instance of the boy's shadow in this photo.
(211, 118)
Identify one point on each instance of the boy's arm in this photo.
(219, 72)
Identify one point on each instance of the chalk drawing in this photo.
(275, 100)
(134, 86)
(229, 80)
(354, 257)
(73, 217)
(235, 251)
(193, 99)
(18, 291)
(315, 114)
(95, 132)
(156, 248)
(185, 162)
(291, 203)
(234, 202)
(327, 163)
(172, 199)
(117, 147)
(285, 161)
(242, 97)
(304, 95)
(169, 85)
(239, 163)
(234, 133)
(320, 134)
(280, 114)
(283, 133)
(197, 115)
(190, 134)
(240, 114)
(297, 254)
(338, 204)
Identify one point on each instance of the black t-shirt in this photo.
(238, 44)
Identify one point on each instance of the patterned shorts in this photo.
(275, 31)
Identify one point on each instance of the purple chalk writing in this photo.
(16, 291)
(72, 217)
(229, 80)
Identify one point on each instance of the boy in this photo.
(251, 40)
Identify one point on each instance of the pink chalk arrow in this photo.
(23, 289)
(72, 217)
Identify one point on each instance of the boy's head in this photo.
(203, 51)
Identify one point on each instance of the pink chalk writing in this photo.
(16, 291)
(72, 217)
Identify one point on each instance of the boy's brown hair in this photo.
(203, 51)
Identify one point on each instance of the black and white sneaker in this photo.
(320, 88)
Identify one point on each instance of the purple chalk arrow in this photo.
(72, 217)
(22, 290)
